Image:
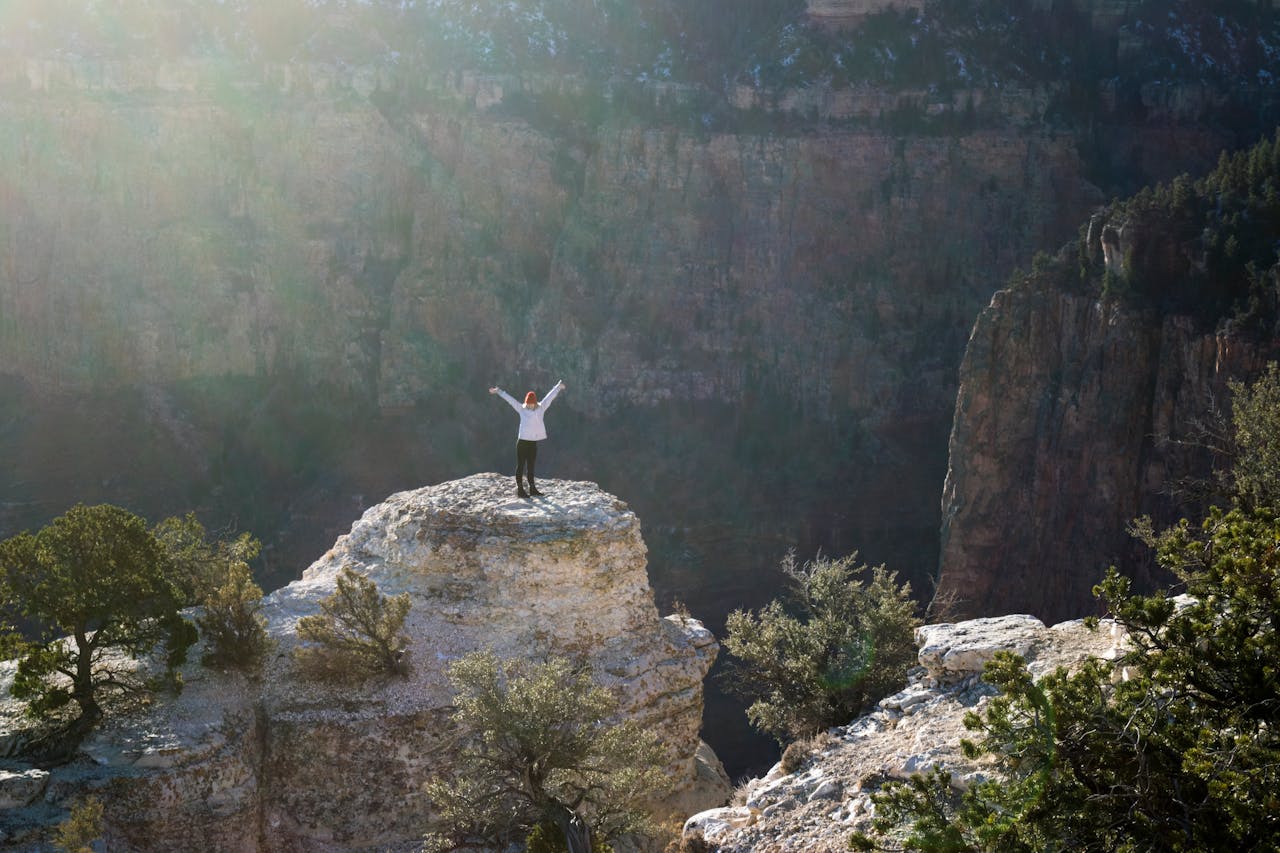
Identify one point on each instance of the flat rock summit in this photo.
(276, 762)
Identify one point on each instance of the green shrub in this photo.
(356, 634)
(1179, 754)
(846, 642)
(540, 747)
(1255, 422)
(82, 827)
(232, 622)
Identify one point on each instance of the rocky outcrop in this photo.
(279, 763)
(816, 807)
(1074, 417)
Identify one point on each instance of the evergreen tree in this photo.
(539, 750)
(838, 644)
(1173, 746)
(100, 587)
(356, 634)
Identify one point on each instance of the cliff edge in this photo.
(277, 762)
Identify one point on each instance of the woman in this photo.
(532, 430)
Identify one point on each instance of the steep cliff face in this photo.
(281, 763)
(1074, 417)
(1092, 391)
(383, 252)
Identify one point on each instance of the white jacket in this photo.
(531, 426)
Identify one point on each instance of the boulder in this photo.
(963, 648)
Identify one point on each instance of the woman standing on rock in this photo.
(532, 430)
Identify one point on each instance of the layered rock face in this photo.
(817, 806)
(272, 291)
(278, 763)
(1074, 417)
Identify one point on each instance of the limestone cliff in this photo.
(277, 763)
(815, 807)
(1071, 422)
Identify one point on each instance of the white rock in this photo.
(965, 647)
(783, 805)
(279, 762)
(769, 792)
(907, 698)
(715, 823)
(828, 790)
(21, 787)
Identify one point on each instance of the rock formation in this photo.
(309, 226)
(278, 763)
(915, 730)
(1074, 417)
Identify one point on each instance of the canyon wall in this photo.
(266, 291)
(1074, 417)
(343, 242)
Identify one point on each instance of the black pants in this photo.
(526, 454)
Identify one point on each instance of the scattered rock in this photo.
(828, 790)
(715, 823)
(961, 648)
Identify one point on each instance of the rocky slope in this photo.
(817, 806)
(277, 763)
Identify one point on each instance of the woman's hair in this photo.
(531, 399)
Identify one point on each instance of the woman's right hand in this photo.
(493, 390)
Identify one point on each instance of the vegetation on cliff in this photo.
(541, 752)
(1171, 746)
(217, 575)
(839, 643)
(96, 590)
(1201, 247)
(358, 633)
